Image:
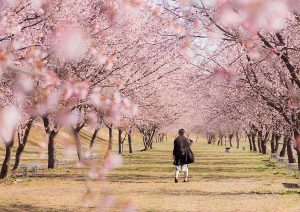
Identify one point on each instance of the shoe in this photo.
(176, 180)
(185, 181)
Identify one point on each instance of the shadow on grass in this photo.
(60, 176)
(138, 178)
(76, 177)
(223, 177)
(20, 207)
(167, 178)
(205, 193)
(290, 185)
(230, 169)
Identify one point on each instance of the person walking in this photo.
(182, 155)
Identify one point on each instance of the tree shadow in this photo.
(20, 207)
(207, 193)
(139, 178)
(290, 185)
(229, 169)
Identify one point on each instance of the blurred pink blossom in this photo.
(71, 43)
(49, 78)
(113, 161)
(67, 119)
(77, 90)
(108, 201)
(253, 15)
(10, 117)
(36, 4)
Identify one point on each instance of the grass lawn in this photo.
(238, 181)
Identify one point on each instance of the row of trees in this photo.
(68, 65)
(248, 54)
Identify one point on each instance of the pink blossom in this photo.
(101, 59)
(77, 90)
(71, 44)
(94, 172)
(113, 161)
(67, 119)
(81, 89)
(37, 3)
(25, 84)
(10, 118)
(48, 104)
(108, 202)
(128, 206)
(50, 79)
(255, 14)
(95, 99)
(86, 198)
(220, 75)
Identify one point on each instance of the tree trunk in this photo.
(289, 149)
(5, 166)
(277, 139)
(253, 142)
(145, 141)
(120, 140)
(129, 141)
(264, 142)
(273, 143)
(263, 147)
(230, 139)
(75, 133)
(152, 134)
(259, 141)
(250, 143)
(110, 140)
(237, 140)
(51, 150)
(93, 139)
(298, 154)
(162, 138)
(122, 145)
(51, 142)
(283, 150)
(22, 143)
(209, 138)
(19, 151)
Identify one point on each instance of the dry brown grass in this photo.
(239, 181)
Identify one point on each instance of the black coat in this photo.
(182, 151)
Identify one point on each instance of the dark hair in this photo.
(181, 132)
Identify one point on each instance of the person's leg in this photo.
(186, 174)
(176, 175)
